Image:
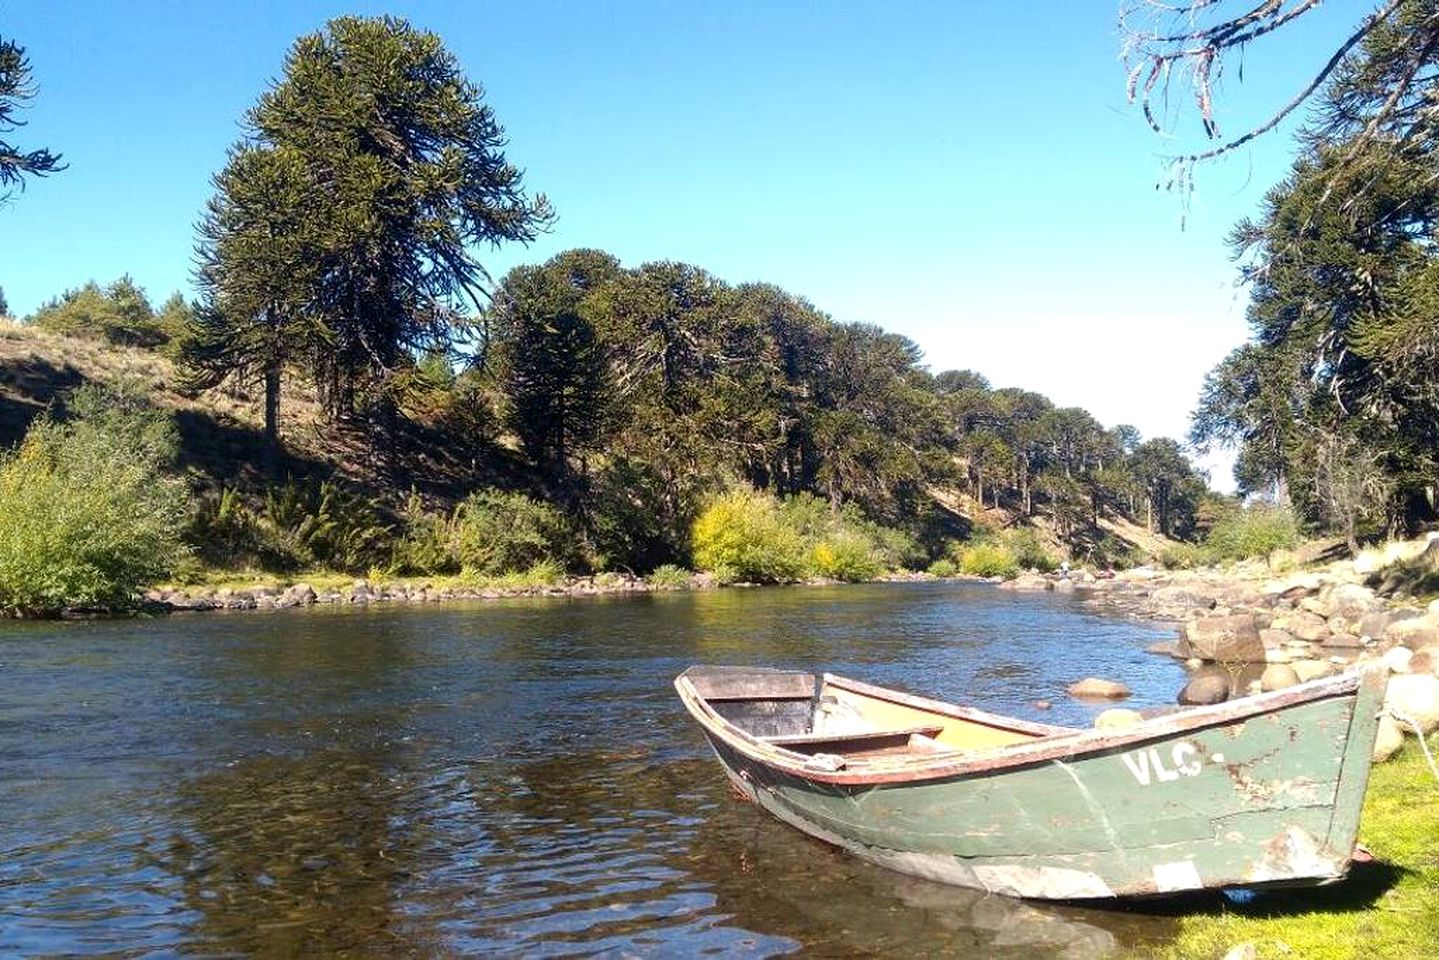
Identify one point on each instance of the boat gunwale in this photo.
(1067, 744)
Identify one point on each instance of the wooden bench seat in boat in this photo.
(864, 741)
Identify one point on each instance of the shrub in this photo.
(1254, 531)
(943, 567)
(88, 516)
(988, 560)
(297, 525)
(545, 573)
(326, 525)
(669, 576)
(1184, 556)
(428, 545)
(499, 533)
(119, 313)
(847, 557)
(1028, 550)
(741, 536)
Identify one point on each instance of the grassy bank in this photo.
(1386, 909)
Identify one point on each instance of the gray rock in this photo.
(1375, 622)
(1277, 676)
(1230, 639)
(1389, 739)
(1274, 639)
(1186, 597)
(1207, 685)
(1093, 688)
(1351, 601)
(1304, 625)
(1343, 641)
(1414, 696)
(1307, 670)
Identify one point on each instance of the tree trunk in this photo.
(272, 418)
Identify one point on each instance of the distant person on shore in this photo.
(1064, 569)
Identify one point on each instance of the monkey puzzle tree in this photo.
(15, 89)
(388, 173)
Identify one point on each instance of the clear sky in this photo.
(965, 173)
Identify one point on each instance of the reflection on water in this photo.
(506, 778)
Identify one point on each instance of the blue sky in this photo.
(967, 174)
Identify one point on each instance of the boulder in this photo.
(1184, 597)
(1351, 601)
(1398, 659)
(1230, 639)
(1375, 622)
(1303, 625)
(1207, 685)
(1307, 670)
(1117, 718)
(1389, 739)
(1168, 648)
(1425, 661)
(1415, 632)
(1277, 676)
(1274, 639)
(1414, 696)
(1342, 642)
(1093, 688)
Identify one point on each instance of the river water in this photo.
(513, 777)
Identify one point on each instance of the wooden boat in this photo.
(1263, 790)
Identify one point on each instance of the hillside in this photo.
(221, 443)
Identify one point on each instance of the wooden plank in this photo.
(850, 739)
(752, 686)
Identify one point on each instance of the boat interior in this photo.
(835, 717)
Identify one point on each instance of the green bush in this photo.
(119, 313)
(741, 536)
(943, 567)
(669, 576)
(1028, 549)
(545, 573)
(1254, 531)
(428, 545)
(88, 515)
(847, 557)
(297, 525)
(500, 533)
(988, 560)
(1185, 556)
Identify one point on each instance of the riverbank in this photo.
(332, 589)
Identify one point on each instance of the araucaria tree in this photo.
(343, 232)
(15, 89)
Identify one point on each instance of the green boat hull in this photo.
(1249, 799)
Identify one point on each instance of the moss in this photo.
(1386, 909)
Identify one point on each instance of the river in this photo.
(511, 777)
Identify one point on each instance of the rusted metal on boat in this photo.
(1263, 790)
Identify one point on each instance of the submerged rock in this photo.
(1208, 685)
(1093, 688)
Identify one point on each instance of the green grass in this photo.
(1388, 909)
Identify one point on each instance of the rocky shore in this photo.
(366, 592)
(1247, 629)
